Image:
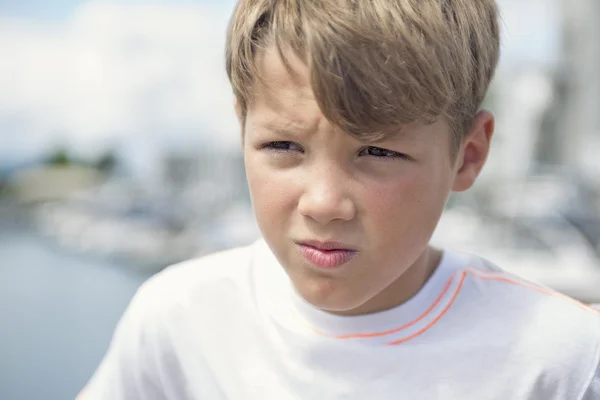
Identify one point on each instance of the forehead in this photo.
(282, 92)
(277, 75)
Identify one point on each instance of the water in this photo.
(57, 314)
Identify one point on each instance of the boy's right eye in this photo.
(282, 146)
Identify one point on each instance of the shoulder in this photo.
(148, 337)
(210, 268)
(518, 295)
(546, 324)
(208, 275)
(175, 287)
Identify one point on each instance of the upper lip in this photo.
(326, 245)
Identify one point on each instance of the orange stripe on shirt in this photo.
(432, 323)
(480, 274)
(485, 275)
(395, 330)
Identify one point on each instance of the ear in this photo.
(474, 151)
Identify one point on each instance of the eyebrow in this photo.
(284, 128)
(291, 130)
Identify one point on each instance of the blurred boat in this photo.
(113, 221)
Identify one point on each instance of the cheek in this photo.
(408, 208)
(272, 196)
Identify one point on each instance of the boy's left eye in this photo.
(378, 152)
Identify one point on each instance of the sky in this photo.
(62, 9)
(139, 75)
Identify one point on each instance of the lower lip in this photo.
(326, 259)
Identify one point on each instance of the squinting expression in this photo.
(349, 221)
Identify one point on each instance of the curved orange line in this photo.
(537, 289)
(481, 274)
(414, 335)
(388, 332)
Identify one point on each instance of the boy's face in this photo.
(380, 202)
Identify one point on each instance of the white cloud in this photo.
(133, 72)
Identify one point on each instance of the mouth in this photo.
(326, 246)
(326, 255)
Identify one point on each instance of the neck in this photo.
(403, 288)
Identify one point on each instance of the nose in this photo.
(326, 198)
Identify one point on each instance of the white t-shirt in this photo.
(231, 326)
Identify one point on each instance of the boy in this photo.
(358, 119)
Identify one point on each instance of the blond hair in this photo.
(374, 65)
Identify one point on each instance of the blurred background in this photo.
(120, 154)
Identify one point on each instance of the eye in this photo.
(378, 152)
(282, 146)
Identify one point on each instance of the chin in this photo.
(325, 298)
(341, 309)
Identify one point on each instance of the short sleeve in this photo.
(593, 390)
(129, 370)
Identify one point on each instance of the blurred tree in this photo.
(59, 158)
(3, 188)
